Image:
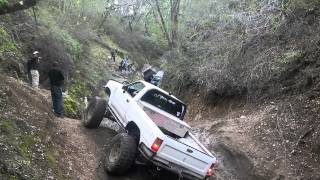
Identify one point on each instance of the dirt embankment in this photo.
(25, 142)
(274, 139)
(278, 135)
(36, 145)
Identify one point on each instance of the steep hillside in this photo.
(262, 117)
(83, 53)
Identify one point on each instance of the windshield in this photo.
(165, 103)
(135, 88)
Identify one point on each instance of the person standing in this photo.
(56, 82)
(113, 55)
(126, 63)
(33, 69)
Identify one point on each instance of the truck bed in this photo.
(184, 158)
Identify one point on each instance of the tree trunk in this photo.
(104, 18)
(130, 26)
(163, 24)
(175, 9)
(16, 5)
(61, 5)
(35, 17)
(146, 29)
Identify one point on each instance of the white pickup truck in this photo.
(154, 129)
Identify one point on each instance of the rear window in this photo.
(165, 103)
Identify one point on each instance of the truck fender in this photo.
(107, 90)
(134, 131)
(113, 85)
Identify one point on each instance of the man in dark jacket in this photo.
(56, 81)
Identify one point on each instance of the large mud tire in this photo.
(121, 154)
(94, 113)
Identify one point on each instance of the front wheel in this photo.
(121, 154)
(94, 113)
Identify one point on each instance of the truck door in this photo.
(123, 97)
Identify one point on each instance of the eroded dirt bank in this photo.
(275, 139)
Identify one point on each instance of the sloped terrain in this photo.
(276, 139)
(26, 142)
(262, 118)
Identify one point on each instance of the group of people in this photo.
(124, 64)
(56, 80)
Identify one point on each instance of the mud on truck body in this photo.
(152, 120)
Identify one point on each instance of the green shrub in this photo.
(3, 3)
(72, 44)
(292, 5)
(289, 57)
(6, 127)
(78, 90)
(276, 22)
(27, 141)
(74, 103)
(7, 44)
(70, 106)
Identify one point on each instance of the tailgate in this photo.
(185, 156)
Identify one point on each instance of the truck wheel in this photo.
(94, 113)
(121, 154)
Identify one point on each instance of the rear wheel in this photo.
(94, 113)
(121, 154)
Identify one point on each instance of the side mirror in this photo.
(125, 88)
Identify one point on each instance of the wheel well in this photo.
(134, 131)
(107, 90)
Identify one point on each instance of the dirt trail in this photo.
(82, 151)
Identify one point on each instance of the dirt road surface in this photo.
(83, 153)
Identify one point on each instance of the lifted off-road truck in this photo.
(154, 130)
